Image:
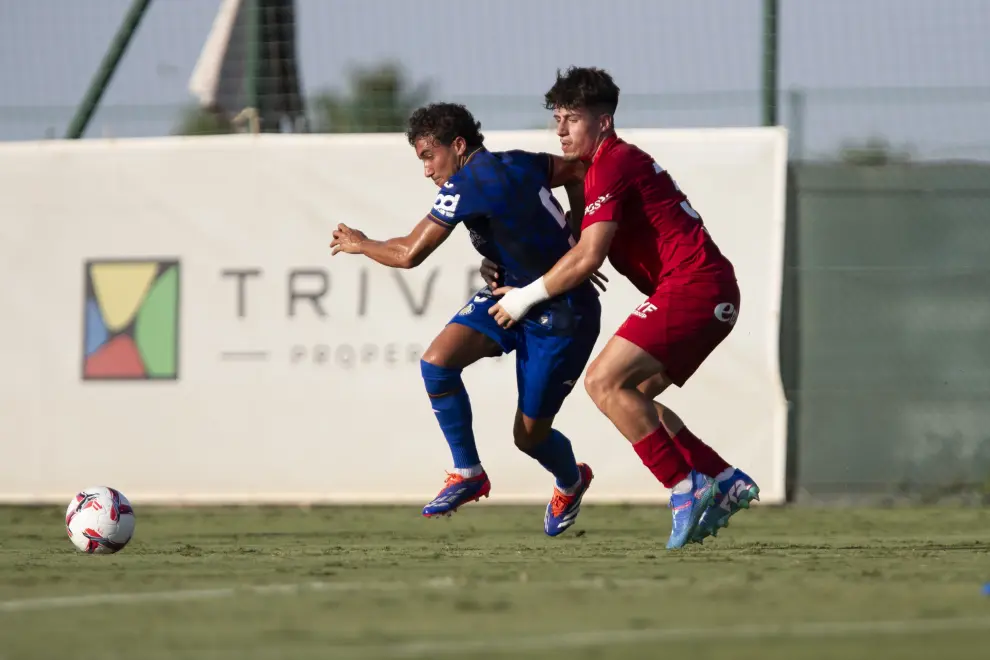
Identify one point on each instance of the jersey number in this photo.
(551, 205)
(685, 204)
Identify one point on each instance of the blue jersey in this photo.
(504, 200)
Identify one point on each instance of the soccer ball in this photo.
(99, 521)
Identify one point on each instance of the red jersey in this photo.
(659, 235)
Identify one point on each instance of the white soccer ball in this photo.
(99, 521)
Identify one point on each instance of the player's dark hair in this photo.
(583, 87)
(444, 122)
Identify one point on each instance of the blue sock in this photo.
(556, 455)
(452, 407)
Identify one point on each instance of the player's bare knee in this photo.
(435, 360)
(458, 347)
(599, 383)
(438, 354)
(442, 353)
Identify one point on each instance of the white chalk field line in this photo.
(505, 645)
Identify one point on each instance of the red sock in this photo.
(661, 455)
(698, 455)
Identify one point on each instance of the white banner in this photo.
(174, 325)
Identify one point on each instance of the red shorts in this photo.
(682, 323)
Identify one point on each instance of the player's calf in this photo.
(696, 452)
(452, 407)
(549, 447)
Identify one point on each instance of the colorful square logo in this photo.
(131, 320)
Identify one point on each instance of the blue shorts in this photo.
(552, 344)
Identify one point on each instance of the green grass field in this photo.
(251, 583)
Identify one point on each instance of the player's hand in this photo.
(507, 310)
(347, 240)
(489, 272)
(598, 279)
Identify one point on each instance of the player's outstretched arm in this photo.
(405, 252)
(580, 262)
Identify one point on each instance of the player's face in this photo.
(580, 131)
(440, 161)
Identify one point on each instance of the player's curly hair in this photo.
(444, 122)
(583, 87)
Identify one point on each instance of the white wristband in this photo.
(536, 292)
(519, 301)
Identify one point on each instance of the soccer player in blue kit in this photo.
(504, 200)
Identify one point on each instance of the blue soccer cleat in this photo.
(688, 508)
(563, 509)
(456, 492)
(731, 495)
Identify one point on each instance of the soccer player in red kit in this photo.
(637, 216)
